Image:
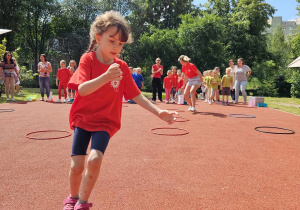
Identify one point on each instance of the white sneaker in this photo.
(8, 99)
(13, 99)
(209, 102)
(205, 101)
(190, 108)
(58, 101)
(65, 101)
(18, 94)
(173, 101)
(193, 109)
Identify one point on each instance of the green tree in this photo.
(278, 48)
(161, 14)
(37, 34)
(248, 21)
(10, 15)
(295, 46)
(72, 26)
(201, 39)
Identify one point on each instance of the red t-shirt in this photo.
(190, 70)
(100, 110)
(157, 75)
(64, 75)
(168, 82)
(179, 83)
(174, 79)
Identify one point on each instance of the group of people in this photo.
(190, 79)
(101, 81)
(63, 76)
(9, 76)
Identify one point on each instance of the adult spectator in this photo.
(242, 73)
(9, 74)
(18, 81)
(157, 71)
(44, 70)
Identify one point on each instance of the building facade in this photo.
(289, 27)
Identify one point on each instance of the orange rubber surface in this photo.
(223, 163)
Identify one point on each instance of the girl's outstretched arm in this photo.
(162, 114)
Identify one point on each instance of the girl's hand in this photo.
(114, 72)
(167, 116)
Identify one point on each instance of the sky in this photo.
(284, 8)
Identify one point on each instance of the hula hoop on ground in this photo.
(45, 131)
(6, 110)
(183, 119)
(185, 132)
(258, 129)
(176, 110)
(242, 115)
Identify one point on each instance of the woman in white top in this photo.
(242, 72)
(44, 70)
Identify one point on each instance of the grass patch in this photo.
(290, 105)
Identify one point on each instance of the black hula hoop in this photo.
(242, 115)
(60, 137)
(258, 129)
(6, 110)
(183, 119)
(176, 110)
(179, 134)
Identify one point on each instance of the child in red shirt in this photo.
(179, 88)
(63, 76)
(168, 84)
(192, 80)
(174, 81)
(101, 80)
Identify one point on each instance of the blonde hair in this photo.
(72, 61)
(169, 71)
(106, 20)
(217, 68)
(184, 58)
(63, 61)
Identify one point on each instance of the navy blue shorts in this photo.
(81, 140)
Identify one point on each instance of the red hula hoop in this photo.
(60, 137)
(183, 119)
(179, 134)
(176, 110)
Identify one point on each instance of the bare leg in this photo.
(12, 86)
(186, 95)
(18, 88)
(91, 174)
(77, 167)
(193, 91)
(7, 81)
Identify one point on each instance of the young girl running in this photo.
(193, 78)
(101, 81)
